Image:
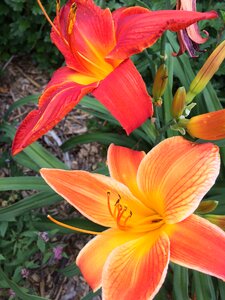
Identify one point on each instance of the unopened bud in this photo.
(160, 83)
(206, 206)
(207, 71)
(218, 220)
(178, 103)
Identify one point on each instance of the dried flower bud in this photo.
(160, 82)
(178, 103)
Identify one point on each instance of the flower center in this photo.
(120, 213)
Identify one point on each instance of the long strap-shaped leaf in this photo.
(40, 156)
(19, 292)
(35, 201)
(23, 183)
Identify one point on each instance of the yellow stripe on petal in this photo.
(137, 269)
(209, 68)
(82, 78)
(93, 256)
(209, 126)
(175, 175)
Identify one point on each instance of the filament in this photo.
(72, 227)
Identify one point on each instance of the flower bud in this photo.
(178, 103)
(160, 83)
(209, 68)
(218, 220)
(206, 206)
(209, 126)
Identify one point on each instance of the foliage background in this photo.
(24, 31)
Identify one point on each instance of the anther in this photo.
(72, 17)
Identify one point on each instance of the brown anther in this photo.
(72, 17)
(58, 6)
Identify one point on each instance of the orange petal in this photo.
(56, 101)
(123, 93)
(199, 245)
(137, 29)
(175, 176)
(88, 193)
(209, 126)
(137, 269)
(123, 164)
(92, 257)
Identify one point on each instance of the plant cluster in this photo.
(157, 208)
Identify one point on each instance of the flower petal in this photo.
(54, 104)
(85, 45)
(88, 193)
(209, 126)
(175, 176)
(92, 257)
(97, 38)
(137, 269)
(123, 164)
(193, 30)
(136, 30)
(124, 94)
(199, 245)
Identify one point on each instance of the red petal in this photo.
(136, 269)
(199, 245)
(136, 30)
(124, 94)
(54, 104)
(87, 43)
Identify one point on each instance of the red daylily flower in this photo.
(190, 37)
(148, 203)
(97, 45)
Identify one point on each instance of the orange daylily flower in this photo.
(209, 126)
(97, 45)
(190, 37)
(148, 204)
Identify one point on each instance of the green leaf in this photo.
(19, 291)
(41, 199)
(21, 102)
(180, 283)
(91, 295)
(204, 289)
(39, 155)
(105, 138)
(70, 271)
(23, 183)
(41, 245)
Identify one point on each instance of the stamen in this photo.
(72, 17)
(47, 16)
(72, 227)
(58, 6)
(119, 212)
